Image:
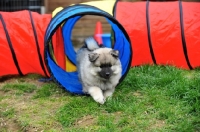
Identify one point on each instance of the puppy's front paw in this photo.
(96, 94)
(99, 98)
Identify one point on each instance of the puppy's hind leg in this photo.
(96, 94)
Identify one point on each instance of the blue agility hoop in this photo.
(70, 15)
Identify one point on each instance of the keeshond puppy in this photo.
(99, 70)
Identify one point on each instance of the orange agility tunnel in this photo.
(22, 43)
(166, 33)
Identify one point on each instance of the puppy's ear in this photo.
(93, 57)
(114, 53)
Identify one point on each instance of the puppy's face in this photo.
(106, 61)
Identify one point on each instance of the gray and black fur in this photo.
(99, 70)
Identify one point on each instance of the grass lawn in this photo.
(150, 98)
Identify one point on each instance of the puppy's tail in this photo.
(91, 43)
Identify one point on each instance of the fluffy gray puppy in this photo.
(99, 70)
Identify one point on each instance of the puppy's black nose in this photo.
(107, 74)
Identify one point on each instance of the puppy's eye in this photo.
(102, 66)
(105, 65)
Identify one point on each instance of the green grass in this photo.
(150, 98)
(46, 90)
(19, 88)
(8, 113)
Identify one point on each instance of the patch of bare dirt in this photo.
(85, 121)
(9, 125)
(1, 94)
(158, 124)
